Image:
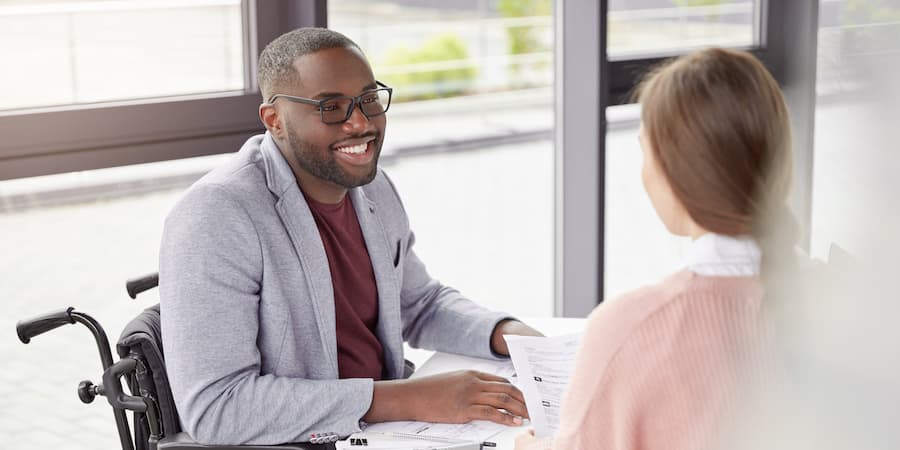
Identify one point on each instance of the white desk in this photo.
(550, 326)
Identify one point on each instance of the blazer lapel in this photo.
(301, 227)
(390, 324)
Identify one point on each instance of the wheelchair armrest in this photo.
(181, 441)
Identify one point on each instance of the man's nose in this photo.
(357, 119)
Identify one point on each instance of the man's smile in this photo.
(356, 152)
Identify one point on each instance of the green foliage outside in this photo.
(524, 39)
(868, 38)
(863, 12)
(698, 4)
(694, 3)
(429, 84)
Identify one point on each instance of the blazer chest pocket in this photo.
(398, 260)
(398, 251)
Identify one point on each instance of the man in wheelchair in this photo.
(288, 280)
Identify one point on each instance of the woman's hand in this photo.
(527, 441)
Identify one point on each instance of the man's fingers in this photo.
(484, 412)
(490, 377)
(503, 401)
(505, 388)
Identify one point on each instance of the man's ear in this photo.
(271, 119)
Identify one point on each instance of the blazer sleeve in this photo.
(438, 317)
(210, 272)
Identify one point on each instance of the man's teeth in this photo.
(357, 149)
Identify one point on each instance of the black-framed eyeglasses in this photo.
(338, 109)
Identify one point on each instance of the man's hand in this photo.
(453, 397)
(509, 326)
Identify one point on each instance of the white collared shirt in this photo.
(718, 255)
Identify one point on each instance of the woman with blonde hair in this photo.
(667, 366)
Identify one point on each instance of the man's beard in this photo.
(325, 167)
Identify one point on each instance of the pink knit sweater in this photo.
(664, 367)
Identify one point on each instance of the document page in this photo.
(474, 431)
(447, 362)
(544, 366)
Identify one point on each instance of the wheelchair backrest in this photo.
(142, 338)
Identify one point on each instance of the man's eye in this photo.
(370, 98)
(327, 107)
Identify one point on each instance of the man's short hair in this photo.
(276, 62)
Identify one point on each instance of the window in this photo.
(854, 187)
(194, 58)
(93, 51)
(670, 26)
(639, 248)
(469, 137)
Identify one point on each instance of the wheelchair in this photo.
(141, 363)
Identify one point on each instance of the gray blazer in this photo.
(248, 320)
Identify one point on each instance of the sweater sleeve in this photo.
(654, 369)
(608, 391)
(594, 415)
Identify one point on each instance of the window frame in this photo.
(93, 136)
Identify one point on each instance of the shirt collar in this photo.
(719, 255)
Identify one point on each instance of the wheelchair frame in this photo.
(151, 411)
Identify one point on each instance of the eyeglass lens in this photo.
(371, 103)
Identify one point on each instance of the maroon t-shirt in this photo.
(359, 351)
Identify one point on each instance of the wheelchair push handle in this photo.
(135, 286)
(29, 328)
